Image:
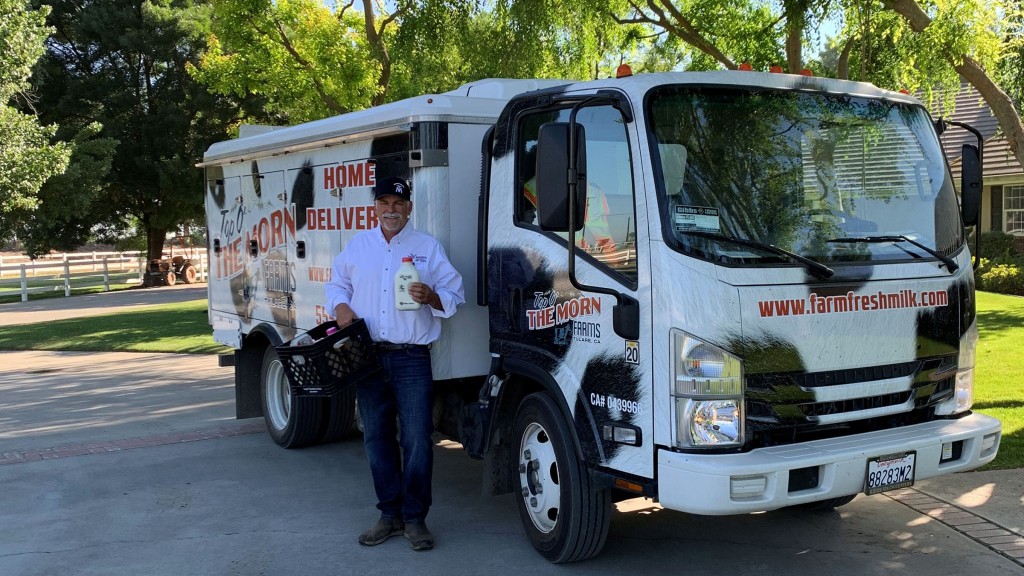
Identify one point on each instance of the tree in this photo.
(305, 60)
(723, 34)
(965, 42)
(122, 64)
(893, 43)
(311, 61)
(27, 156)
(69, 203)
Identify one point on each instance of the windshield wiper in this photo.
(817, 269)
(951, 265)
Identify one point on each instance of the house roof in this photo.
(971, 109)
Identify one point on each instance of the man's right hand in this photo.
(343, 315)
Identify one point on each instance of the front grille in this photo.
(792, 407)
(855, 404)
(840, 377)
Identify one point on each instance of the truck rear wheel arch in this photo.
(248, 369)
(248, 366)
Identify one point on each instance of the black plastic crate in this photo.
(332, 363)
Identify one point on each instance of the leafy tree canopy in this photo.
(120, 65)
(310, 60)
(27, 155)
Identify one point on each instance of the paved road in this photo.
(134, 464)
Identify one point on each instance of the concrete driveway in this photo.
(134, 464)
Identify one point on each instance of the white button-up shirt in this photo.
(363, 276)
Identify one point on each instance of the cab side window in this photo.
(609, 228)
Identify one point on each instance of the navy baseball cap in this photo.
(392, 186)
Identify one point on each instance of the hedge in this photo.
(1002, 275)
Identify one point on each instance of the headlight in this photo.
(707, 386)
(963, 390)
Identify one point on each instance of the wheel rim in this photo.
(279, 395)
(539, 478)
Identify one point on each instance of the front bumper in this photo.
(716, 484)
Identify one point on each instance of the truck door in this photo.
(542, 324)
(332, 202)
(267, 236)
(230, 274)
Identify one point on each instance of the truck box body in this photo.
(312, 184)
(770, 302)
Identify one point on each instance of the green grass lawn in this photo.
(182, 328)
(998, 390)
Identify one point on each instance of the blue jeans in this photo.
(401, 465)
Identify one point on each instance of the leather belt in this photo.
(391, 347)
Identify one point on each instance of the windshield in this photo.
(809, 173)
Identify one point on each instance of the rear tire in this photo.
(292, 421)
(565, 517)
(188, 274)
(340, 415)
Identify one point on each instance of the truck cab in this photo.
(739, 291)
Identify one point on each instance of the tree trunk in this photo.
(155, 238)
(681, 27)
(997, 100)
(380, 50)
(794, 50)
(843, 65)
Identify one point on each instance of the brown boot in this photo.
(419, 536)
(384, 528)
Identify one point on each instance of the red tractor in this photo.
(160, 272)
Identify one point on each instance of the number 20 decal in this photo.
(632, 352)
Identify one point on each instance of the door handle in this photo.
(514, 308)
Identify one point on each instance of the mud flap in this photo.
(475, 417)
(474, 423)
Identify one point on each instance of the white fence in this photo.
(62, 272)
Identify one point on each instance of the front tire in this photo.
(292, 421)
(565, 517)
(826, 505)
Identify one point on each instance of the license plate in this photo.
(889, 472)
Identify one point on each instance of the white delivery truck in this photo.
(767, 298)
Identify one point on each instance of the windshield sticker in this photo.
(699, 218)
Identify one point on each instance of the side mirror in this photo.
(970, 184)
(553, 177)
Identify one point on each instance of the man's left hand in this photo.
(424, 294)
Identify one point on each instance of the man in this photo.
(596, 232)
(362, 286)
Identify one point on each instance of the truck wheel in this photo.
(170, 279)
(188, 274)
(565, 517)
(340, 415)
(292, 421)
